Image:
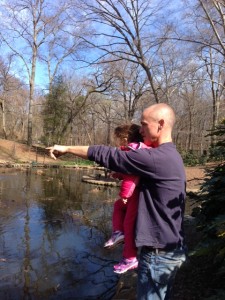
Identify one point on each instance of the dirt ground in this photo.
(12, 152)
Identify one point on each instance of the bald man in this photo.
(159, 229)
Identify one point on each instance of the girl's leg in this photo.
(117, 220)
(129, 260)
(119, 213)
(130, 249)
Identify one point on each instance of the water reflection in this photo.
(51, 234)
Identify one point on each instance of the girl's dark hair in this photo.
(129, 131)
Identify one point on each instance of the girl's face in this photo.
(120, 141)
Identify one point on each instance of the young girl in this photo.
(128, 138)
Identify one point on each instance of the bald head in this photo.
(157, 123)
(161, 111)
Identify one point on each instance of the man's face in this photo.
(149, 129)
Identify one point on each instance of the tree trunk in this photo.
(2, 103)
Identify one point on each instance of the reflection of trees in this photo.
(60, 193)
(73, 205)
(62, 235)
(1, 236)
(99, 276)
(98, 207)
(27, 260)
(65, 196)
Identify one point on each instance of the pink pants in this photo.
(124, 219)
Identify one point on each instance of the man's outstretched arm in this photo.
(58, 150)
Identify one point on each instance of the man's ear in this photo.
(161, 124)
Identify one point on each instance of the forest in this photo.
(70, 71)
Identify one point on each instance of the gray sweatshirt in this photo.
(162, 190)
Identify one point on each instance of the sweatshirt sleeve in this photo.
(138, 162)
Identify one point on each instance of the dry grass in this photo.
(11, 152)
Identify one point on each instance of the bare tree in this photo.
(215, 69)
(63, 44)
(125, 83)
(26, 27)
(213, 55)
(172, 68)
(17, 113)
(5, 77)
(129, 32)
(193, 111)
(12, 91)
(101, 110)
(129, 84)
(208, 36)
(23, 33)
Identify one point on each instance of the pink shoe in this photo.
(116, 238)
(125, 265)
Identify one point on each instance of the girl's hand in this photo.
(124, 200)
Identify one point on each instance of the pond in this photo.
(52, 230)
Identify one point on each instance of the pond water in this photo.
(52, 229)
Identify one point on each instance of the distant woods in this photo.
(70, 71)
